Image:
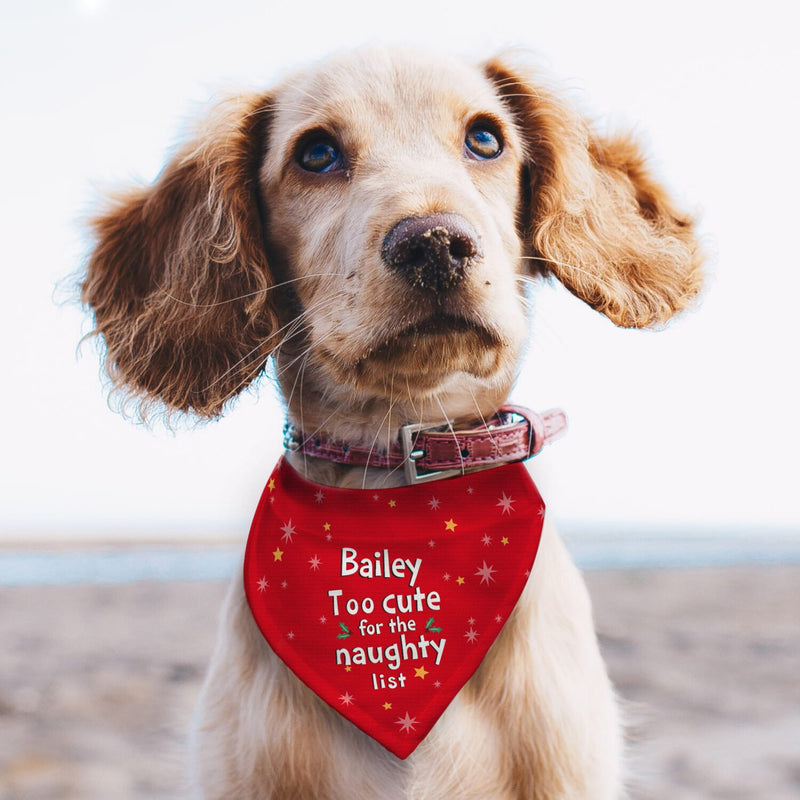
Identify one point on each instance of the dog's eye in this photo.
(319, 154)
(482, 142)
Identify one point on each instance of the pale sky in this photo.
(694, 427)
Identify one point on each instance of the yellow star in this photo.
(460, 581)
(392, 503)
(504, 540)
(450, 525)
(326, 526)
(347, 669)
(271, 484)
(387, 706)
(278, 554)
(421, 672)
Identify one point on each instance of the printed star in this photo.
(485, 573)
(433, 503)
(328, 537)
(541, 512)
(277, 554)
(315, 562)
(387, 706)
(527, 573)
(290, 635)
(288, 532)
(446, 576)
(348, 669)
(284, 584)
(376, 497)
(437, 684)
(392, 503)
(420, 672)
(450, 525)
(471, 635)
(498, 618)
(471, 621)
(406, 723)
(263, 584)
(319, 496)
(271, 484)
(323, 619)
(272, 499)
(326, 526)
(470, 490)
(346, 699)
(504, 541)
(460, 581)
(506, 502)
(431, 543)
(487, 540)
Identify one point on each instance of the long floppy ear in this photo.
(594, 216)
(178, 279)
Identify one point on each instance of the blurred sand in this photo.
(98, 683)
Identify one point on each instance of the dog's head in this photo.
(371, 221)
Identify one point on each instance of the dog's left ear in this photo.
(593, 215)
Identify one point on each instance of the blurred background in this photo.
(683, 444)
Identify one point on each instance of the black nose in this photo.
(432, 252)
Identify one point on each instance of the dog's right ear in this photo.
(178, 280)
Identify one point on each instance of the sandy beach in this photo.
(98, 683)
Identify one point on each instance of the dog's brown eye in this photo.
(482, 142)
(319, 155)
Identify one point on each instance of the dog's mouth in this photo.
(425, 352)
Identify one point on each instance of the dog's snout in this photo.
(431, 252)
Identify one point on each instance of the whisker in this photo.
(242, 296)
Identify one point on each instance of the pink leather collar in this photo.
(439, 450)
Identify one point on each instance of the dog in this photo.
(292, 227)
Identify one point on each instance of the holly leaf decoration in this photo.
(345, 632)
(430, 626)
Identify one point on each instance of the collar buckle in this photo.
(408, 439)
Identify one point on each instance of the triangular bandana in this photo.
(385, 602)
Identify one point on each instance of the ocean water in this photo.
(112, 565)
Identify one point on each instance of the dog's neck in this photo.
(374, 424)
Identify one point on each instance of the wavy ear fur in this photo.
(595, 217)
(178, 280)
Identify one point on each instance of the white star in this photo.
(541, 512)
(485, 573)
(290, 635)
(498, 618)
(263, 584)
(487, 540)
(406, 723)
(284, 584)
(471, 635)
(507, 503)
(446, 576)
(288, 531)
(437, 684)
(315, 562)
(376, 497)
(471, 621)
(328, 537)
(431, 543)
(319, 496)
(346, 699)
(433, 503)
(470, 490)
(323, 619)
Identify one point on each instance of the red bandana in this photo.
(385, 602)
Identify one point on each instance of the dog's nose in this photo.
(432, 252)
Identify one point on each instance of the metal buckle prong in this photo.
(408, 439)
